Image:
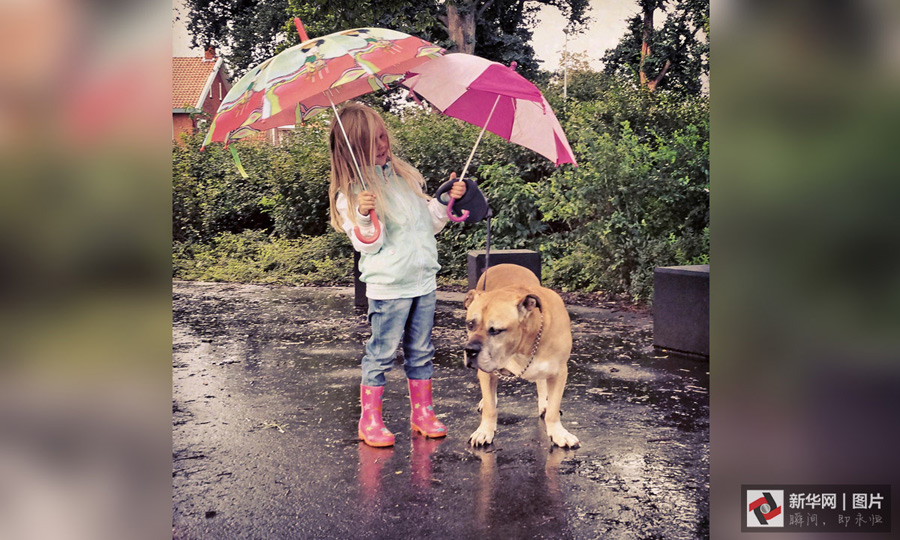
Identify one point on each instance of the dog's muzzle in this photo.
(472, 350)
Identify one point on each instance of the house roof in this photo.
(191, 76)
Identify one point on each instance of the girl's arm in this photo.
(365, 227)
(438, 211)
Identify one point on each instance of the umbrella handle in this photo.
(465, 213)
(368, 240)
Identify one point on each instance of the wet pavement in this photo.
(266, 400)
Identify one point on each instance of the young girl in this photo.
(398, 267)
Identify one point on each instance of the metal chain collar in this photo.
(537, 343)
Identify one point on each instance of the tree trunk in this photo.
(461, 26)
(645, 45)
(654, 83)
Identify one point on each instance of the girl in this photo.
(398, 267)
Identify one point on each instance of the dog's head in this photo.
(498, 323)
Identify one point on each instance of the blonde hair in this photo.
(363, 125)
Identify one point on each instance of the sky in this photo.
(606, 27)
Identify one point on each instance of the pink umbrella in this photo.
(494, 97)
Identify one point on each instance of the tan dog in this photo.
(518, 327)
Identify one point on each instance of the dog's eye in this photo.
(494, 331)
(470, 325)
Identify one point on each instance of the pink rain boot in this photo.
(421, 416)
(371, 427)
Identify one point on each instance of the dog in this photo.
(516, 327)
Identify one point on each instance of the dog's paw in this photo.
(481, 437)
(562, 438)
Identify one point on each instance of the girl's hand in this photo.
(365, 202)
(458, 189)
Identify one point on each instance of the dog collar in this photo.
(537, 343)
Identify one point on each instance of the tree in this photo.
(674, 56)
(244, 31)
(249, 31)
(501, 30)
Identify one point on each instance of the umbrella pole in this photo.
(465, 213)
(487, 243)
(372, 215)
(347, 140)
(480, 135)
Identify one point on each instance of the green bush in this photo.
(253, 257)
(286, 191)
(515, 224)
(211, 197)
(637, 204)
(299, 178)
(638, 199)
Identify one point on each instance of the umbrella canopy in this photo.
(315, 75)
(495, 97)
(307, 78)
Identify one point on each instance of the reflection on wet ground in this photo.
(266, 399)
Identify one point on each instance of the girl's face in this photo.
(382, 145)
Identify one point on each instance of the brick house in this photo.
(198, 86)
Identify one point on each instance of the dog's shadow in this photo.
(518, 485)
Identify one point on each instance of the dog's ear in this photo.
(529, 303)
(470, 297)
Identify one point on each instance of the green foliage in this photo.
(679, 47)
(638, 199)
(246, 28)
(299, 178)
(322, 17)
(435, 144)
(210, 197)
(606, 103)
(515, 224)
(254, 30)
(286, 192)
(252, 257)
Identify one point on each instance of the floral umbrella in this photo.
(314, 75)
(307, 78)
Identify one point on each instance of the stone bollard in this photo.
(681, 309)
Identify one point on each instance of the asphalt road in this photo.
(266, 400)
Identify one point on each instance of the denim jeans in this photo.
(406, 319)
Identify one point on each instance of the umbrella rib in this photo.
(472, 153)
